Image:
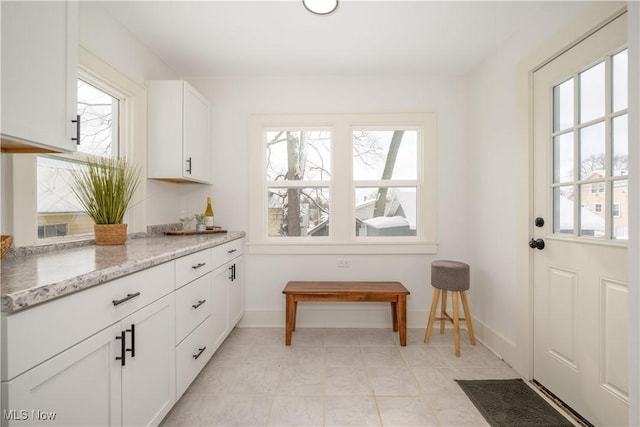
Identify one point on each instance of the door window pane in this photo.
(298, 211)
(563, 106)
(592, 218)
(620, 81)
(563, 158)
(592, 150)
(592, 83)
(385, 211)
(563, 200)
(620, 210)
(620, 163)
(297, 155)
(385, 154)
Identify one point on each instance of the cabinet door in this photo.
(197, 143)
(148, 376)
(39, 73)
(219, 306)
(236, 291)
(78, 387)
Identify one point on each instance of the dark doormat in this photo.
(511, 403)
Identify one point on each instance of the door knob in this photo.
(536, 244)
(539, 222)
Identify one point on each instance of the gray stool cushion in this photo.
(450, 275)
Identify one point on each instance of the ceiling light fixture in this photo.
(320, 7)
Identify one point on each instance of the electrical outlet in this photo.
(343, 263)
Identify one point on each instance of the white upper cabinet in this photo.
(178, 132)
(39, 76)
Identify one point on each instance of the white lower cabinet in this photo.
(121, 353)
(122, 375)
(192, 354)
(79, 387)
(235, 288)
(148, 372)
(219, 306)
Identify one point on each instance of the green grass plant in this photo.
(104, 187)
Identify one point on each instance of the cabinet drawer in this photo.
(34, 335)
(227, 252)
(192, 266)
(191, 356)
(193, 305)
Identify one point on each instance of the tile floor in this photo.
(336, 377)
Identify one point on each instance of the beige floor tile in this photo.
(394, 381)
(343, 411)
(382, 356)
(297, 411)
(336, 377)
(241, 410)
(344, 356)
(347, 381)
(405, 411)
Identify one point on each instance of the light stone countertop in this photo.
(28, 280)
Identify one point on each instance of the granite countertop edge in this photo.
(32, 294)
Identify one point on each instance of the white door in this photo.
(580, 192)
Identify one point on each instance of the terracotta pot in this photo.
(110, 234)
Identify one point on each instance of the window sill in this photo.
(333, 248)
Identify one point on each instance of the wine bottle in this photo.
(208, 215)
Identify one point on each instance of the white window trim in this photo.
(342, 239)
(134, 131)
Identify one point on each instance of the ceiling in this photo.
(281, 38)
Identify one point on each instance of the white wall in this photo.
(233, 99)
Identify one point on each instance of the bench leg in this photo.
(295, 315)
(402, 319)
(291, 317)
(394, 316)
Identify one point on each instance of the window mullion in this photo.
(342, 187)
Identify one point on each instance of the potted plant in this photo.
(200, 222)
(104, 187)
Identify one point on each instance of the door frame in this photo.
(594, 19)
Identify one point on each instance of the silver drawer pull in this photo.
(198, 265)
(200, 302)
(127, 298)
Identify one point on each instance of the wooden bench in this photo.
(393, 292)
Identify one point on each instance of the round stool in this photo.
(450, 276)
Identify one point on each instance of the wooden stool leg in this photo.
(443, 311)
(456, 322)
(432, 313)
(467, 317)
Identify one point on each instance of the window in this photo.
(99, 136)
(591, 151)
(113, 124)
(350, 183)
